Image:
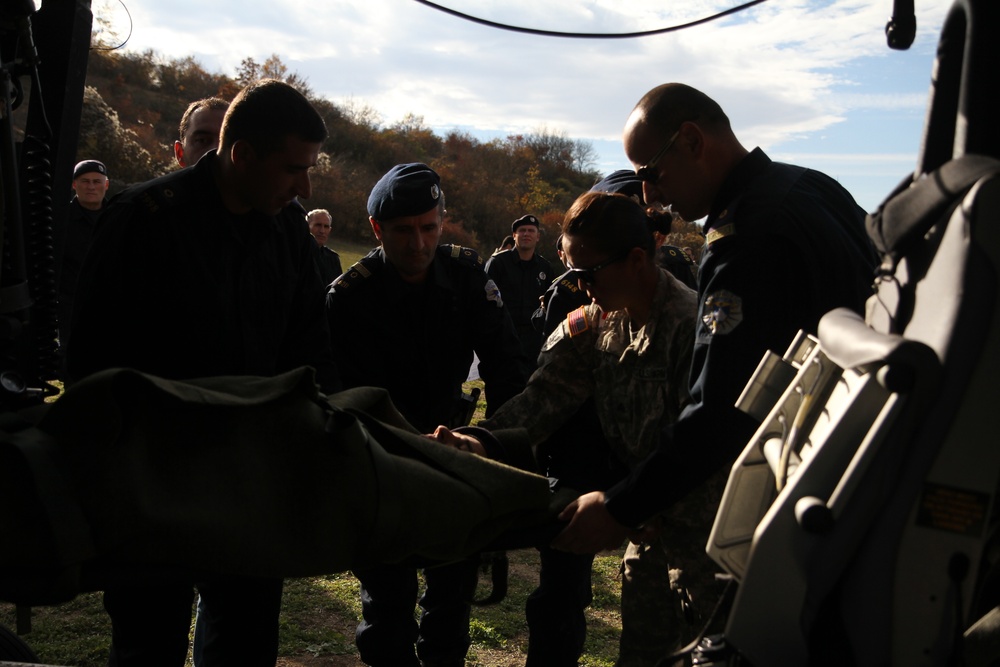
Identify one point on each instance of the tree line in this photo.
(133, 103)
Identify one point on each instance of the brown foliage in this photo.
(487, 185)
(120, 148)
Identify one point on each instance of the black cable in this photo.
(589, 35)
(127, 37)
(721, 606)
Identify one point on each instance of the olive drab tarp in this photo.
(128, 473)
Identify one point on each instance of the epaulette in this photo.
(466, 255)
(720, 232)
(363, 268)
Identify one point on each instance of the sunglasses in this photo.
(588, 276)
(648, 173)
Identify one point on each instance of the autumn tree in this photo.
(684, 234)
(272, 68)
(102, 137)
(136, 101)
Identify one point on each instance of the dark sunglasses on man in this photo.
(648, 173)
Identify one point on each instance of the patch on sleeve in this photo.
(493, 293)
(722, 312)
(577, 321)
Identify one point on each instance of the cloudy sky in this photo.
(809, 81)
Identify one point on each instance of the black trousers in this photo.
(150, 625)
(390, 637)
(557, 627)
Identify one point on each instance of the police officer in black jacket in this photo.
(407, 318)
(523, 275)
(684, 149)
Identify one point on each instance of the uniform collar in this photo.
(618, 321)
(744, 173)
(435, 273)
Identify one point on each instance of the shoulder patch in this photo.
(577, 321)
(722, 312)
(493, 293)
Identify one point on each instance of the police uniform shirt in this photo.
(81, 224)
(417, 341)
(521, 283)
(674, 260)
(328, 264)
(784, 246)
(562, 297)
(177, 286)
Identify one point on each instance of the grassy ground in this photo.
(350, 252)
(319, 615)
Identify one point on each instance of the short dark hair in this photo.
(206, 103)
(265, 113)
(670, 104)
(614, 222)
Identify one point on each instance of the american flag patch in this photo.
(577, 321)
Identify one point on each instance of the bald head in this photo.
(685, 141)
(670, 104)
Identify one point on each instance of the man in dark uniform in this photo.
(90, 185)
(677, 262)
(327, 260)
(522, 276)
(208, 271)
(685, 151)
(418, 311)
(198, 131)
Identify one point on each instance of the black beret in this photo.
(406, 189)
(88, 166)
(623, 181)
(524, 220)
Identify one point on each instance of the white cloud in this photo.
(787, 71)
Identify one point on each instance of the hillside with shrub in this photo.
(133, 103)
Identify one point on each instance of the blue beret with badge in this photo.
(522, 221)
(89, 166)
(623, 181)
(405, 190)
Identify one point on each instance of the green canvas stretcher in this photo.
(131, 476)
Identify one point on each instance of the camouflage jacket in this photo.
(639, 380)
